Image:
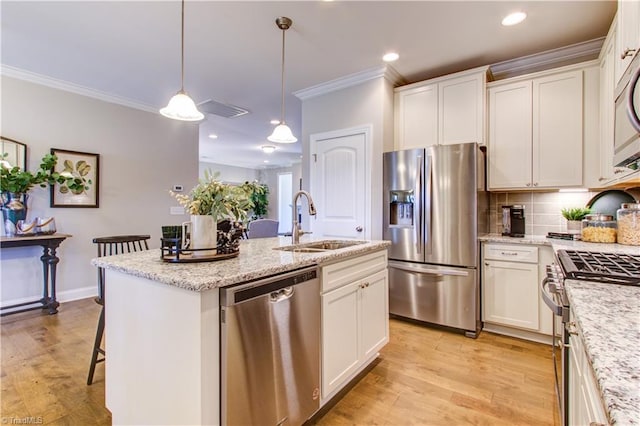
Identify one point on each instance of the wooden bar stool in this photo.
(109, 246)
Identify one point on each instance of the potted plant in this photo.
(259, 196)
(209, 202)
(15, 184)
(574, 218)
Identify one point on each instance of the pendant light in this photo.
(282, 132)
(181, 106)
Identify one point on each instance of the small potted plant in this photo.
(208, 203)
(574, 216)
(15, 183)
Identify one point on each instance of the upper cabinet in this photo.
(446, 110)
(536, 131)
(628, 34)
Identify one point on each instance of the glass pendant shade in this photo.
(282, 134)
(182, 107)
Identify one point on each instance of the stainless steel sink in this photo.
(320, 246)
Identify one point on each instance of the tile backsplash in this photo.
(541, 209)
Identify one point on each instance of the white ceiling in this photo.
(131, 50)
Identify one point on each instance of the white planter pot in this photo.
(200, 233)
(574, 226)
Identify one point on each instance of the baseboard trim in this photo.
(62, 296)
(518, 333)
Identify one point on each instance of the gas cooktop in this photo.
(615, 268)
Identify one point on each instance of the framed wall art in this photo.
(82, 190)
(13, 152)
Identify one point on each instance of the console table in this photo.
(50, 244)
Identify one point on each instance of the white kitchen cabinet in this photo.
(536, 131)
(446, 110)
(607, 87)
(511, 298)
(510, 291)
(585, 403)
(628, 35)
(355, 318)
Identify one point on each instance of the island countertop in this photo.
(257, 259)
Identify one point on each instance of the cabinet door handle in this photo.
(535, 184)
(529, 184)
(358, 228)
(627, 52)
(572, 329)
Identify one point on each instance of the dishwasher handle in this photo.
(274, 287)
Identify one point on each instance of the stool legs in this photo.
(96, 348)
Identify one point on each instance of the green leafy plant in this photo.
(259, 196)
(575, 213)
(14, 179)
(215, 198)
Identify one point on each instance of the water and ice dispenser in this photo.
(401, 208)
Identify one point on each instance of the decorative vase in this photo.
(200, 233)
(229, 238)
(574, 226)
(14, 209)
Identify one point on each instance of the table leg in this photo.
(49, 262)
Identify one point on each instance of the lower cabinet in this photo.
(585, 403)
(355, 318)
(511, 298)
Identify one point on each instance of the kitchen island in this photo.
(162, 329)
(607, 317)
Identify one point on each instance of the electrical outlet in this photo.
(176, 210)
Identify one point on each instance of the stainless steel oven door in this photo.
(552, 297)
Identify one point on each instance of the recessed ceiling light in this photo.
(514, 18)
(275, 121)
(265, 161)
(213, 136)
(268, 149)
(390, 57)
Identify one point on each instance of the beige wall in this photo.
(230, 174)
(270, 177)
(142, 155)
(368, 103)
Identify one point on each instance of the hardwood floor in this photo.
(424, 376)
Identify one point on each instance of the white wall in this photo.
(228, 174)
(142, 155)
(368, 103)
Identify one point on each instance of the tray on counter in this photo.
(172, 254)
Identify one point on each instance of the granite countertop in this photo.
(608, 317)
(257, 259)
(558, 244)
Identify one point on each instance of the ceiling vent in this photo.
(220, 109)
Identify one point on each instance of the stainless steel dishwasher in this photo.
(270, 350)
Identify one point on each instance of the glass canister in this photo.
(629, 224)
(599, 228)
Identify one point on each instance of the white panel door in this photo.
(340, 329)
(417, 117)
(511, 294)
(461, 110)
(339, 186)
(557, 130)
(510, 136)
(374, 321)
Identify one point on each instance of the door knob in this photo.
(359, 228)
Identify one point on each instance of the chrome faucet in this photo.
(296, 231)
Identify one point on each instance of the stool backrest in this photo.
(263, 228)
(118, 244)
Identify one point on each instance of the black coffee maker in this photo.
(513, 221)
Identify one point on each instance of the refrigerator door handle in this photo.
(419, 206)
(409, 267)
(427, 207)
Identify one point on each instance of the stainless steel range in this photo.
(607, 268)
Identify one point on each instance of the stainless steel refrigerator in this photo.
(435, 203)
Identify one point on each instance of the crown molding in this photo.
(573, 53)
(66, 86)
(387, 72)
